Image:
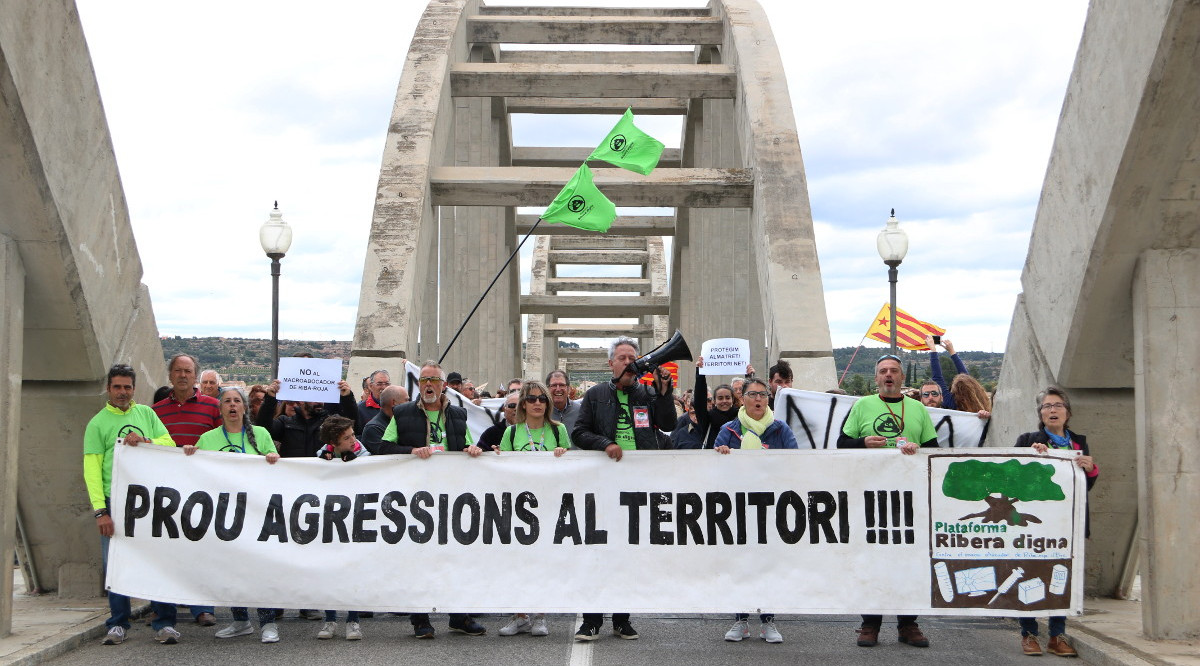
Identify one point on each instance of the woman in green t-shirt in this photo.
(533, 431)
(236, 435)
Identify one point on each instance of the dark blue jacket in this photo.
(777, 436)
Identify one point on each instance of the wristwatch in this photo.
(101, 512)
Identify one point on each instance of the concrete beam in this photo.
(584, 353)
(606, 81)
(633, 225)
(539, 156)
(1166, 318)
(599, 257)
(598, 330)
(606, 29)
(537, 186)
(593, 105)
(609, 284)
(12, 329)
(681, 57)
(599, 242)
(595, 306)
(649, 12)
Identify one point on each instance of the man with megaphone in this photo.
(624, 415)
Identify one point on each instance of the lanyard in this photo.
(242, 448)
(889, 408)
(540, 444)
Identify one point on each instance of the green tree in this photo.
(1011, 480)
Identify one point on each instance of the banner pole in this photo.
(843, 377)
(489, 288)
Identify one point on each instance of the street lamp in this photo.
(275, 236)
(892, 243)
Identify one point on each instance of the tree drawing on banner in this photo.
(1001, 485)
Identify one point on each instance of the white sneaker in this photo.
(769, 633)
(327, 631)
(167, 636)
(739, 630)
(515, 626)
(270, 633)
(539, 625)
(115, 636)
(353, 631)
(237, 628)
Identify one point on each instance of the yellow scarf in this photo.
(752, 430)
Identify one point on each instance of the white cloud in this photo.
(944, 110)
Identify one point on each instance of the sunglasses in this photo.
(430, 380)
(511, 405)
(537, 398)
(887, 356)
(926, 394)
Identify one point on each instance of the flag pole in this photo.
(843, 377)
(489, 288)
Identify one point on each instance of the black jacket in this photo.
(596, 426)
(709, 419)
(1029, 438)
(299, 437)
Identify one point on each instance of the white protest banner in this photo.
(725, 356)
(817, 419)
(309, 379)
(979, 532)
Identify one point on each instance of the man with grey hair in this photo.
(562, 409)
(369, 406)
(210, 383)
(617, 416)
(429, 425)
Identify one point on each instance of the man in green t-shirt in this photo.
(875, 421)
(122, 420)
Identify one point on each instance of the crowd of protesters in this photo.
(195, 412)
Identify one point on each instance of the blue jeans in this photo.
(119, 607)
(331, 616)
(764, 618)
(197, 610)
(242, 614)
(1058, 625)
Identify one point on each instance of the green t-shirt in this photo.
(437, 431)
(625, 438)
(907, 418)
(535, 439)
(237, 442)
(101, 435)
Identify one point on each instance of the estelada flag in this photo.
(648, 378)
(910, 331)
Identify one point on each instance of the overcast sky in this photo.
(945, 111)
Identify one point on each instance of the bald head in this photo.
(390, 397)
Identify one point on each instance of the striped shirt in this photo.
(188, 420)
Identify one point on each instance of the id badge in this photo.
(641, 417)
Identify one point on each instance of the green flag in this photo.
(628, 147)
(581, 205)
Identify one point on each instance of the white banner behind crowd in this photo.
(677, 531)
(817, 420)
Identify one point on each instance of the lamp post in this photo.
(275, 236)
(892, 243)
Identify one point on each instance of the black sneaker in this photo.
(470, 627)
(587, 632)
(626, 631)
(423, 631)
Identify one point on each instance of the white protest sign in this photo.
(681, 531)
(725, 356)
(817, 419)
(309, 379)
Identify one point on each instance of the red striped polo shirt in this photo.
(188, 420)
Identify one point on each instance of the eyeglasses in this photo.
(430, 380)
(537, 398)
(554, 386)
(754, 394)
(511, 405)
(926, 394)
(1052, 405)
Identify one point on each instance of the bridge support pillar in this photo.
(12, 330)
(1166, 319)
